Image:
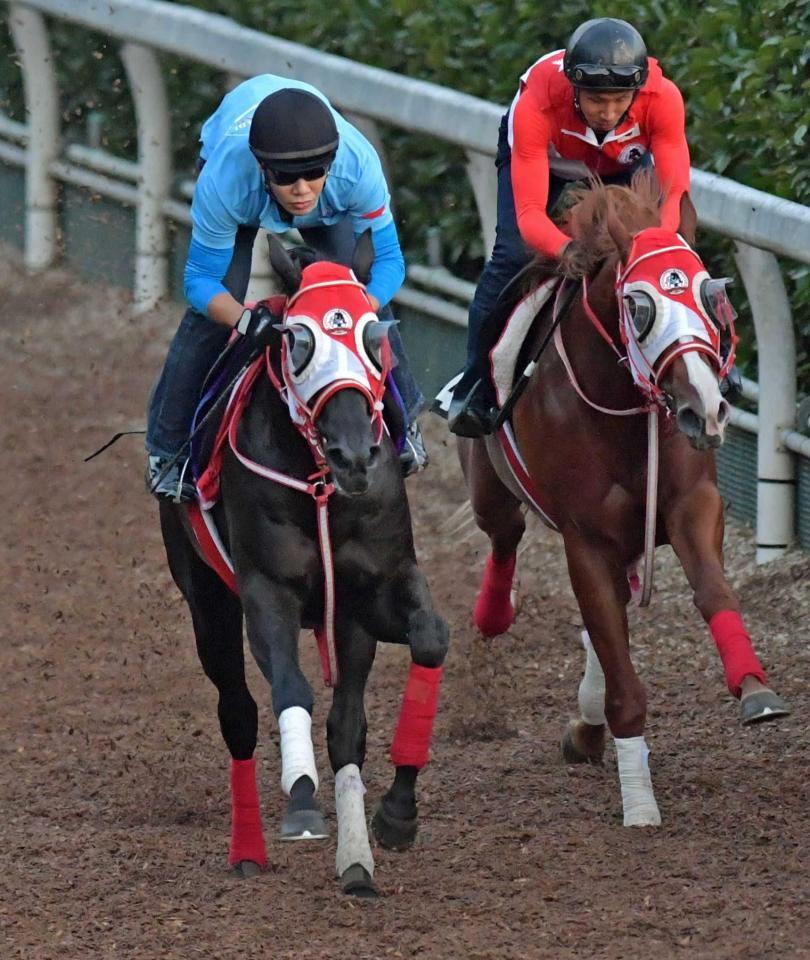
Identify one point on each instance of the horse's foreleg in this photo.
(694, 524)
(395, 822)
(346, 736)
(272, 612)
(599, 580)
(584, 739)
(498, 513)
(217, 618)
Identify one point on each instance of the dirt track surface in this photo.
(114, 783)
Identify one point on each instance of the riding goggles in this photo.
(621, 77)
(286, 178)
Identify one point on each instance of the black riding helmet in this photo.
(293, 130)
(606, 54)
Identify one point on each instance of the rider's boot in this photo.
(472, 412)
(414, 456)
(174, 483)
(731, 386)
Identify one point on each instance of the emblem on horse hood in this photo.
(337, 321)
(674, 281)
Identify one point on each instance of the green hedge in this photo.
(744, 68)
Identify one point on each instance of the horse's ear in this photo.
(363, 256)
(688, 225)
(288, 271)
(619, 234)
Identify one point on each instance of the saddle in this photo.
(517, 314)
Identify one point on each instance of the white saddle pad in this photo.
(504, 355)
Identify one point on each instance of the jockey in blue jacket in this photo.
(274, 155)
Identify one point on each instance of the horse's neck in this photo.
(269, 435)
(594, 363)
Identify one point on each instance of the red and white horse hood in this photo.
(333, 342)
(667, 299)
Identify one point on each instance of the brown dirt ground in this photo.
(113, 786)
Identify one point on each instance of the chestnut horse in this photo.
(585, 471)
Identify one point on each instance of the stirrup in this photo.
(471, 416)
(173, 484)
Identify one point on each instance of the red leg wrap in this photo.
(736, 652)
(411, 745)
(247, 839)
(494, 613)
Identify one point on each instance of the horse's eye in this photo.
(641, 310)
(300, 347)
(715, 299)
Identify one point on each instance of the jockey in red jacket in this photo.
(601, 106)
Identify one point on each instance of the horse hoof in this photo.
(304, 825)
(391, 832)
(571, 753)
(246, 869)
(356, 880)
(762, 705)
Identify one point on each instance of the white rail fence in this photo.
(761, 225)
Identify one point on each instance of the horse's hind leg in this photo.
(599, 580)
(498, 513)
(395, 821)
(694, 523)
(346, 737)
(217, 618)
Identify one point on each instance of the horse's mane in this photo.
(587, 220)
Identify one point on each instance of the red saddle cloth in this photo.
(208, 483)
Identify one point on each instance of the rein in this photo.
(651, 409)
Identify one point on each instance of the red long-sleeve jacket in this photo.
(546, 133)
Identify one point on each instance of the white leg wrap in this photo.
(592, 686)
(352, 846)
(297, 755)
(638, 801)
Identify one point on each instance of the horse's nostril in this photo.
(723, 412)
(338, 458)
(689, 422)
(374, 453)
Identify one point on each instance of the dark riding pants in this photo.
(509, 256)
(199, 341)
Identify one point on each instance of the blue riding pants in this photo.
(199, 341)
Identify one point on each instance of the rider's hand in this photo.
(258, 324)
(574, 260)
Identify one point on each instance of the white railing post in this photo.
(42, 106)
(484, 182)
(776, 347)
(154, 177)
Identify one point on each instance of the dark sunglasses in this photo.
(286, 178)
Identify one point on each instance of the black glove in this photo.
(574, 260)
(259, 324)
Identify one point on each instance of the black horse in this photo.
(337, 557)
